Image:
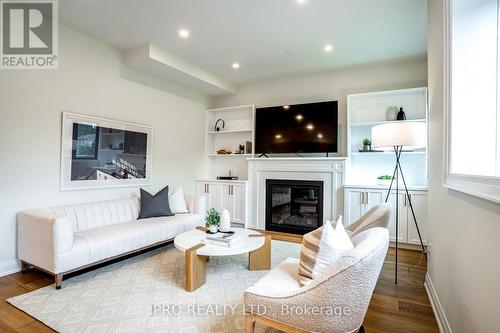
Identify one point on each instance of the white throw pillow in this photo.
(177, 202)
(322, 248)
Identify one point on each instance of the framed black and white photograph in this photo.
(98, 153)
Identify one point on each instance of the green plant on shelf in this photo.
(367, 142)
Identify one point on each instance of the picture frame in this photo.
(102, 153)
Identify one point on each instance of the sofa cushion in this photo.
(283, 278)
(112, 240)
(154, 205)
(177, 202)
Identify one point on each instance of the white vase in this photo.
(225, 221)
(212, 228)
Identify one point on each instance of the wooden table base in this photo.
(195, 268)
(260, 259)
(196, 274)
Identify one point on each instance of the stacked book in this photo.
(222, 239)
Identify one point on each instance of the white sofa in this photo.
(60, 240)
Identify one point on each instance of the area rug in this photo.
(146, 294)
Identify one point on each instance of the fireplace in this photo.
(294, 206)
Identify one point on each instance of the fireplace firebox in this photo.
(294, 206)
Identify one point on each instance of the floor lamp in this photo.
(397, 137)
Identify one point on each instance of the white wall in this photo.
(464, 230)
(90, 80)
(333, 85)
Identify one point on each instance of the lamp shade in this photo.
(408, 134)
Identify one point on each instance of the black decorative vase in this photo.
(401, 115)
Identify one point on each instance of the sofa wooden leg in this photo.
(361, 329)
(58, 280)
(25, 267)
(249, 323)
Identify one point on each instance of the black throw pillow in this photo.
(155, 205)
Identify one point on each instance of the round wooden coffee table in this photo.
(257, 245)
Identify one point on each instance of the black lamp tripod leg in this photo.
(392, 180)
(397, 151)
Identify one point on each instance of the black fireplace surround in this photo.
(294, 206)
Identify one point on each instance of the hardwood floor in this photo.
(394, 308)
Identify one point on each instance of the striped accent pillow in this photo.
(321, 248)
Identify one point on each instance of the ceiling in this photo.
(268, 38)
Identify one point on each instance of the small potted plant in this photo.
(384, 180)
(212, 220)
(367, 144)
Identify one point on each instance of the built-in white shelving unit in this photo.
(238, 130)
(370, 109)
(361, 191)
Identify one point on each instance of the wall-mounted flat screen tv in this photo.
(300, 128)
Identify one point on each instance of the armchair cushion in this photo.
(321, 248)
(284, 278)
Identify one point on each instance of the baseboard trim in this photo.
(9, 267)
(443, 324)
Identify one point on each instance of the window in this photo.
(85, 141)
(472, 93)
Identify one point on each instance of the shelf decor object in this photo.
(217, 128)
(401, 114)
(398, 136)
(367, 144)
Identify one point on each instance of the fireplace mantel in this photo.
(330, 170)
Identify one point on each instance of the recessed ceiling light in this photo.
(320, 136)
(277, 136)
(299, 117)
(236, 65)
(328, 48)
(286, 107)
(310, 127)
(183, 33)
(301, 1)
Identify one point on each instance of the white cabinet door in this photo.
(375, 197)
(403, 221)
(227, 200)
(233, 199)
(210, 190)
(353, 205)
(419, 203)
(238, 192)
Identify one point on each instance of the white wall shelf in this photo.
(230, 155)
(385, 153)
(373, 123)
(231, 131)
